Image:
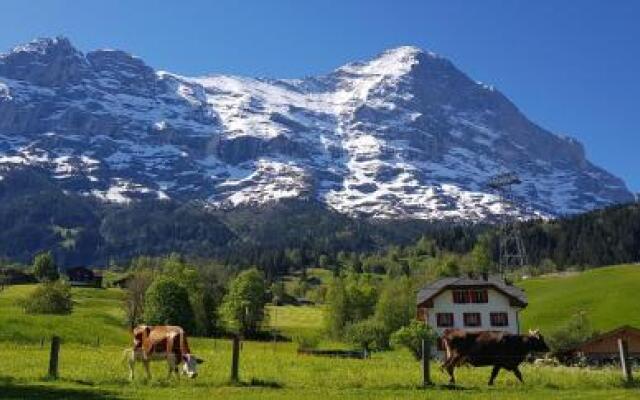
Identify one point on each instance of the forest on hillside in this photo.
(37, 216)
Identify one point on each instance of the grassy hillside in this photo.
(97, 313)
(608, 295)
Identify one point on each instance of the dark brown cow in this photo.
(151, 343)
(498, 349)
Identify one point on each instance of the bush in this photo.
(243, 305)
(306, 341)
(411, 337)
(44, 268)
(575, 331)
(167, 302)
(49, 298)
(368, 334)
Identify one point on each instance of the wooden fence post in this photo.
(624, 360)
(426, 357)
(235, 359)
(53, 357)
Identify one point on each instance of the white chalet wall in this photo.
(498, 302)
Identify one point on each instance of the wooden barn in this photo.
(81, 276)
(605, 346)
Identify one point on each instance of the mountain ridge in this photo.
(403, 135)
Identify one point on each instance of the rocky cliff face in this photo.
(404, 135)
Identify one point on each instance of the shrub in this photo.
(44, 267)
(411, 337)
(167, 302)
(368, 334)
(243, 305)
(306, 341)
(575, 331)
(49, 298)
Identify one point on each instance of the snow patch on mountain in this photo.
(403, 135)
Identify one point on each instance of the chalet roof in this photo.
(496, 282)
(83, 271)
(619, 331)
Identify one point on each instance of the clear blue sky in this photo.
(571, 66)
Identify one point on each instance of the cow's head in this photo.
(190, 365)
(537, 342)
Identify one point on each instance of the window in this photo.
(472, 319)
(462, 296)
(499, 319)
(444, 319)
(479, 296)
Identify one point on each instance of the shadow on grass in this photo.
(449, 386)
(254, 382)
(11, 389)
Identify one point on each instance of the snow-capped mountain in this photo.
(405, 134)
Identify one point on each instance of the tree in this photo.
(243, 305)
(337, 314)
(362, 296)
(323, 261)
(44, 267)
(277, 292)
(136, 289)
(481, 254)
(367, 334)
(411, 337)
(350, 300)
(396, 305)
(167, 302)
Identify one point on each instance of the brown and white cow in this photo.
(497, 349)
(164, 342)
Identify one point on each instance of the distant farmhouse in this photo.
(81, 276)
(471, 303)
(604, 347)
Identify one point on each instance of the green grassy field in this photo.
(269, 371)
(291, 320)
(279, 373)
(96, 314)
(608, 295)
